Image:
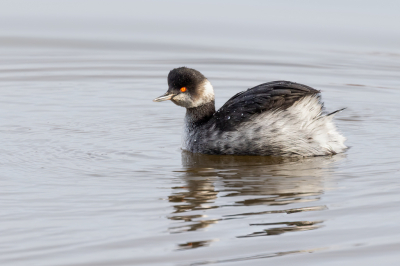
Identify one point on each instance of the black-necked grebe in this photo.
(278, 118)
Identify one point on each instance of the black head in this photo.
(187, 87)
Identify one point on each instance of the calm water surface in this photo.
(92, 172)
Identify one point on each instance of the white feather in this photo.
(207, 94)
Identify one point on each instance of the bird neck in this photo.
(199, 115)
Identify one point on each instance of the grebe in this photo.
(278, 118)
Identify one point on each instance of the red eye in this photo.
(183, 89)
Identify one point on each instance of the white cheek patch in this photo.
(206, 92)
(183, 99)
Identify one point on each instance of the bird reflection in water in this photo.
(267, 185)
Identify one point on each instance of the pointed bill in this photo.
(167, 96)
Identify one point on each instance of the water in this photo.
(92, 172)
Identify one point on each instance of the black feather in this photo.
(276, 95)
(337, 111)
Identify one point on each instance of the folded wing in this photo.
(266, 97)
